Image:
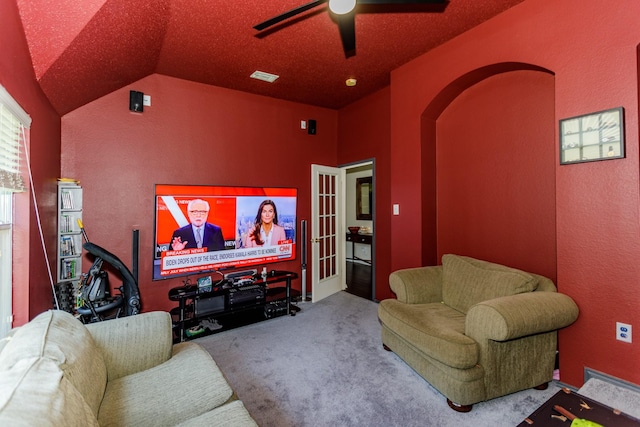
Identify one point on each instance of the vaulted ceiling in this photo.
(82, 50)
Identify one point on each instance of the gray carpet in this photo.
(326, 367)
(624, 399)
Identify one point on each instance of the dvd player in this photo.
(245, 295)
(237, 275)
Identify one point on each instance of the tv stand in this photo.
(230, 304)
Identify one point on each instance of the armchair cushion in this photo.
(467, 281)
(433, 329)
(136, 399)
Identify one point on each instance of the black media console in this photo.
(229, 303)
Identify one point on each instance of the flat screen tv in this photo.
(228, 219)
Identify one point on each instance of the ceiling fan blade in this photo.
(293, 12)
(347, 27)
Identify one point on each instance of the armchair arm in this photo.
(417, 285)
(134, 343)
(516, 316)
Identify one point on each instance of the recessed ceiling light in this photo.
(351, 82)
(261, 75)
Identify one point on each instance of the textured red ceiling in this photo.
(82, 50)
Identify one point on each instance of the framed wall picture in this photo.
(592, 137)
(364, 190)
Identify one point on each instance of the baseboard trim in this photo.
(592, 373)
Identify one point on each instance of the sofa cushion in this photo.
(187, 385)
(58, 336)
(132, 344)
(232, 414)
(34, 392)
(467, 281)
(5, 340)
(433, 329)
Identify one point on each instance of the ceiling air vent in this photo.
(261, 75)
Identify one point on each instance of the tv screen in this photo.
(201, 228)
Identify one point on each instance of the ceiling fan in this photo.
(344, 13)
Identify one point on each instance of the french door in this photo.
(327, 231)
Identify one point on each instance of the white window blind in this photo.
(13, 120)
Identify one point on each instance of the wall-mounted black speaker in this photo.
(312, 127)
(136, 101)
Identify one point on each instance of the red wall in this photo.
(592, 53)
(191, 134)
(495, 174)
(32, 292)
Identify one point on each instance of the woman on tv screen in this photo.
(265, 230)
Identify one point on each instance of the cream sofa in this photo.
(475, 330)
(55, 371)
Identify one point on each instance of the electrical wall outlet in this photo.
(623, 332)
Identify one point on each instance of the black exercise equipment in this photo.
(96, 303)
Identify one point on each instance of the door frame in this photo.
(346, 167)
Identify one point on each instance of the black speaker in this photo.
(135, 252)
(312, 127)
(303, 241)
(136, 100)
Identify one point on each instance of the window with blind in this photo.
(13, 125)
(10, 136)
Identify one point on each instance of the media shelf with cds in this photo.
(69, 236)
(239, 299)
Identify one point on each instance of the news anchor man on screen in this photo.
(265, 230)
(200, 233)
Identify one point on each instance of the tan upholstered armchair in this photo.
(473, 329)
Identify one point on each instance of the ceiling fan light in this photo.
(340, 7)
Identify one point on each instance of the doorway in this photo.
(360, 232)
(334, 207)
